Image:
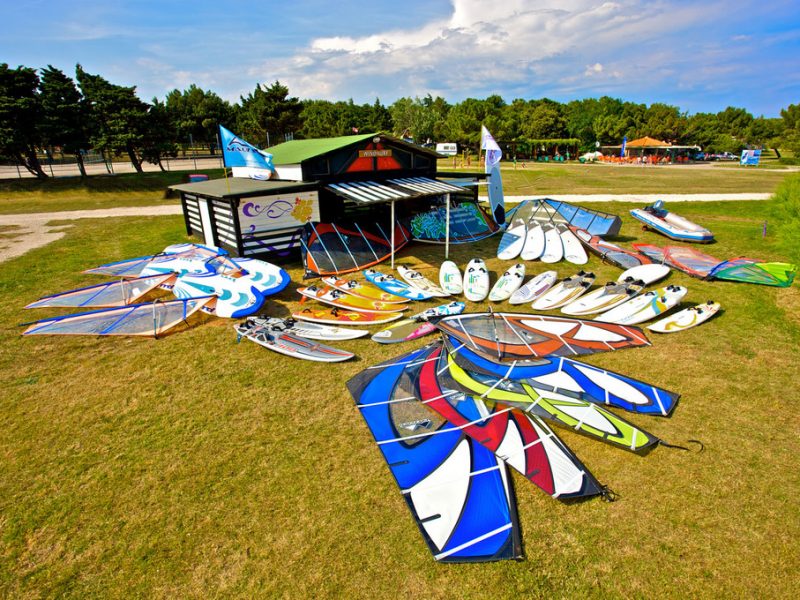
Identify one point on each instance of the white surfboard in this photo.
(649, 273)
(534, 242)
(476, 280)
(607, 297)
(687, 318)
(419, 281)
(509, 282)
(513, 240)
(565, 291)
(450, 279)
(645, 307)
(573, 249)
(553, 247)
(534, 288)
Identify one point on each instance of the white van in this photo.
(447, 148)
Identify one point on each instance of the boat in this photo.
(673, 226)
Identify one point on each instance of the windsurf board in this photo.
(509, 282)
(534, 288)
(476, 280)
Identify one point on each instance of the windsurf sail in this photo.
(751, 271)
(572, 413)
(457, 491)
(546, 209)
(572, 378)
(624, 259)
(135, 267)
(332, 249)
(691, 261)
(469, 222)
(112, 293)
(507, 337)
(139, 319)
(522, 440)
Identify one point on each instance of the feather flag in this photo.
(493, 152)
(238, 153)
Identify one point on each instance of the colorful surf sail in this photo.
(332, 249)
(521, 439)
(579, 415)
(576, 217)
(751, 271)
(112, 293)
(139, 319)
(135, 267)
(506, 337)
(624, 259)
(457, 491)
(468, 223)
(572, 378)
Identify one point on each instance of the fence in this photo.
(63, 165)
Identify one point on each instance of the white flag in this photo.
(493, 152)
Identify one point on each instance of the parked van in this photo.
(447, 148)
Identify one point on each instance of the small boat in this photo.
(673, 226)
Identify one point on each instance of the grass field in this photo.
(28, 195)
(191, 466)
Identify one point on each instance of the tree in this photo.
(196, 114)
(791, 127)
(268, 111)
(117, 116)
(160, 135)
(544, 120)
(20, 117)
(663, 122)
(64, 116)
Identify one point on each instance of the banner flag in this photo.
(622, 150)
(238, 153)
(493, 152)
(750, 157)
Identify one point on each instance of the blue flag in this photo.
(238, 153)
(622, 150)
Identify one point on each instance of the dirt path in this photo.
(24, 232)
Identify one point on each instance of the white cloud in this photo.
(527, 48)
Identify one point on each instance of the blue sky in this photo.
(700, 56)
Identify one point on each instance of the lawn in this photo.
(104, 191)
(537, 179)
(193, 466)
(29, 195)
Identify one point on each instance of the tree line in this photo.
(46, 108)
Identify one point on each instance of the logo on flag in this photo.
(493, 152)
(238, 153)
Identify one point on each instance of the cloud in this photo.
(526, 48)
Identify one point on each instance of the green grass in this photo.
(29, 195)
(104, 191)
(538, 179)
(192, 466)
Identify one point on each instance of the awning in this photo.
(369, 192)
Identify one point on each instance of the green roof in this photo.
(236, 187)
(296, 151)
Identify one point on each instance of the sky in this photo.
(699, 56)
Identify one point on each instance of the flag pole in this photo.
(224, 164)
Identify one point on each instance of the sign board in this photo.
(750, 157)
(268, 213)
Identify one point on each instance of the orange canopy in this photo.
(647, 142)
